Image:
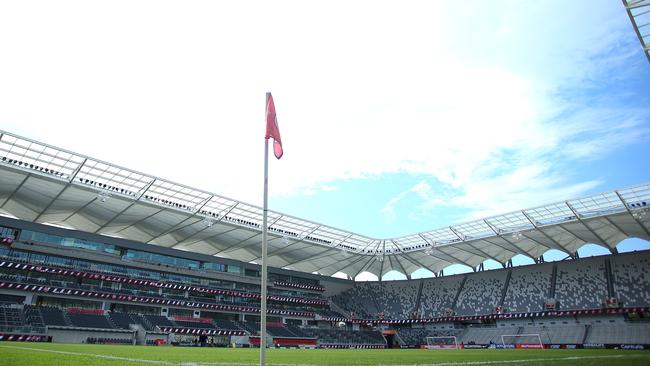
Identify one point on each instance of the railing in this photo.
(22, 329)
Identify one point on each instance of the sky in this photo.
(396, 116)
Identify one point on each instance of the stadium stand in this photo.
(568, 334)
(70, 293)
(359, 301)
(297, 331)
(487, 335)
(336, 337)
(581, 284)
(228, 324)
(122, 320)
(619, 333)
(194, 325)
(528, 288)
(631, 278)
(481, 293)
(397, 298)
(418, 336)
(89, 321)
(33, 316)
(158, 321)
(56, 282)
(391, 299)
(438, 295)
(11, 317)
(280, 331)
(140, 319)
(54, 317)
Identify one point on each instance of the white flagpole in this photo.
(264, 246)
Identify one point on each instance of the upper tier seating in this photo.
(631, 278)
(196, 325)
(329, 313)
(359, 301)
(250, 327)
(438, 295)
(397, 298)
(139, 319)
(581, 284)
(224, 324)
(54, 316)
(123, 320)
(528, 288)
(280, 332)
(89, 321)
(297, 331)
(481, 293)
(393, 299)
(158, 320)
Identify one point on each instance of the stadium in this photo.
(103, 264)
(139, 268)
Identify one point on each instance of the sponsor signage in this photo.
(632, 346)
(475, 346)
(529, 345)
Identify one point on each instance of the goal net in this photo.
(448, 342)
(522, 341)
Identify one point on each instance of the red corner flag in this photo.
(272, 129)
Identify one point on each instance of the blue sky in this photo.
(396, 117)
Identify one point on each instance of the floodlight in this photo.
(103, 196)
(207, 222)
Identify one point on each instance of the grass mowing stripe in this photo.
(142, 360)
(73, 355)
(199, 363)
(499, 362)
(108, 357)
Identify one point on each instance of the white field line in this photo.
(157, 362)
(470, 363)
(142, 360)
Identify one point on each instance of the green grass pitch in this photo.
(47, 354)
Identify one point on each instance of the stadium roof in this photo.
(639, 13)
(45, 184)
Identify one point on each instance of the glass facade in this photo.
(126, 254)
(38, 237)
(80, 264)
(214, 267)
(136, 255)
(7, 232)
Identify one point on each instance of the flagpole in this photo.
(264, 249)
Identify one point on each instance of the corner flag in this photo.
(272, 129)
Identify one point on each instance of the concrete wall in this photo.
(77, 336)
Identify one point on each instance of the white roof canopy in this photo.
(639, 13)
(45, 184)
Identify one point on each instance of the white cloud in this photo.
(362, 89)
